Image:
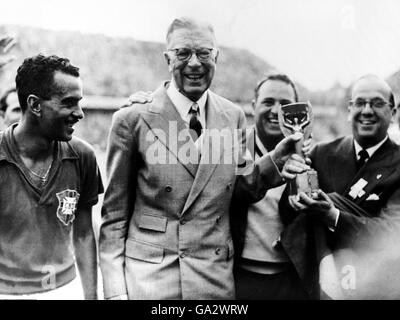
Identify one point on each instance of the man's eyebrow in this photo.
(71, 99)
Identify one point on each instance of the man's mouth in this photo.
(194, 77)
(366, 122)
(71, 124)
(273, 120)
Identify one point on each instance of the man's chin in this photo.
(194, 92)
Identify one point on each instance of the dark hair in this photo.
(187, 23)
(36, 76)
(3, 99)
(280, 77)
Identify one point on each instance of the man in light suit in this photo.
(165, 231)
(345, 243)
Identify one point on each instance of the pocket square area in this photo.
(372, 196)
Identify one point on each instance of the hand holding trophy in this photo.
(293, 118)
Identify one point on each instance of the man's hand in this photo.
(284, 149)
(139, 97)
(6, 43)
(321, 208)
(294, 165)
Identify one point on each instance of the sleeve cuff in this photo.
(333, 226)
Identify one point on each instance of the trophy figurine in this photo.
(298, 117)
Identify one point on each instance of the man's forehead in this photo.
(371, 86)
(198, 36)
(273, 87)
(66, 84)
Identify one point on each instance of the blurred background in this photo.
(322, 45)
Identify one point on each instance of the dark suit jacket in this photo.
(165, 231)
(359, 233)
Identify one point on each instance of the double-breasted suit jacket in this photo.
(165, 231)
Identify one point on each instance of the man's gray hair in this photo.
(188, 23)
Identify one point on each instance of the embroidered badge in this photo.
(67, 204)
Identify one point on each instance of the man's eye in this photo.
(359, 103)
(269, 102)
(183, 54)
(377, 103)
(203, 54)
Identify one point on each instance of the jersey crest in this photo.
(67, 204)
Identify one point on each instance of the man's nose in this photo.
(367, 108)
(78, 112)
(275, 107)
(194, 61)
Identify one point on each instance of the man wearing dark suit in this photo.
(165, 231)
(345, 243)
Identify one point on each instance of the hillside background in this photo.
(113, 68)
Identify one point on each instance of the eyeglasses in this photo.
(375, 103)
(270, 102)
(202, 54)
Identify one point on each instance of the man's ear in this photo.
(168, 59)
(253, 104)
(33, 103)
(216, 56)
(393, 118)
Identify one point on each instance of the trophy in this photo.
(298, 117)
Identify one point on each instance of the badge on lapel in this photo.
(67, 204)
(357, 190)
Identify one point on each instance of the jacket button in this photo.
(218, 219)
(217, 251)
(168, 188)
(182, 222)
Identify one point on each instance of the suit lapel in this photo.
(343, 161)
(164, 118)
(215, 120)
(378, 168)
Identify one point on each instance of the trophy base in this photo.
(306, 182)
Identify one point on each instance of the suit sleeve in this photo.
(377, 232)
(118, 204)
(254, 177)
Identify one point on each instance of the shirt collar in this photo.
(259, 144)
(183, 103)
(370, 150)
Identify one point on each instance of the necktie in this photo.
(363, 154)
(194, 123)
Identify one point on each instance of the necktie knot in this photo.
(194, 124)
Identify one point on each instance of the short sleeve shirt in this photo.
(36, 252)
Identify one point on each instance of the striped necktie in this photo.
(194, 123)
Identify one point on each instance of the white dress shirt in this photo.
(183, 105)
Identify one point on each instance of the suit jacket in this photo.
(165, 230)
(365, 229)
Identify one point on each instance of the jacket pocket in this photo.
(153, 222)
(144, 251)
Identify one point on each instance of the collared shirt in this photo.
(183, 104)
(370, 150)
(36, 252)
